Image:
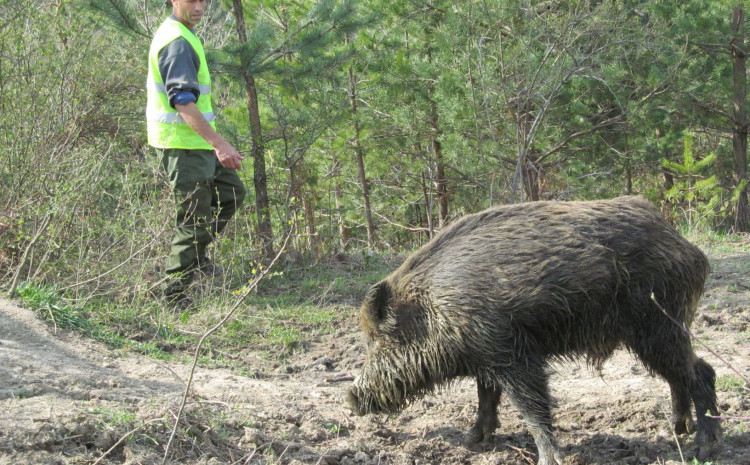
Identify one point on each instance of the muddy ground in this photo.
(67, 400)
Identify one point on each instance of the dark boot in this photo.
(207, 268)
(176, 292)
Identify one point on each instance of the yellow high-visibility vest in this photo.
(166, 128)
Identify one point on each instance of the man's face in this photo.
(189, 12)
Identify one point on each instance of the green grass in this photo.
(287, 309)
(730, 383)
(276, 324)
(53, 308)
(322, 284)
(116, 326)
(716, 242)
(114, 417)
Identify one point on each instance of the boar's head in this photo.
(406, 357)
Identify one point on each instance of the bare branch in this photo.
(561, 144)
(250, 288)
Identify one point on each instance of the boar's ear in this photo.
(375, 306)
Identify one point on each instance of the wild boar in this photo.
(500, 294)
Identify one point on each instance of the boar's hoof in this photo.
(353, 401)
(704, 452)
(474, 436)
(710, 433)
(684, 426)
(549, 453)
(708, 443)
(482, 429)
(478, 434)
(551, 459)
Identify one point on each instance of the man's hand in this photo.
(228, 156)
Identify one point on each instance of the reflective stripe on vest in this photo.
(159, 87)
(166, 128)
(175, 118)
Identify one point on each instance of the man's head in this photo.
(189, 12)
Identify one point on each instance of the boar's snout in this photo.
(358, 400)
(363, 399)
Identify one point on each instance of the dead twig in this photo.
(729, 417)
(692, 337)
(24, 256)
(525, 455)
(117, 267)
(340, 379)
(52, 317)
(123, 438)
(174, 374)
(252, 285)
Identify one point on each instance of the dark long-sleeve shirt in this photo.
(178, 65)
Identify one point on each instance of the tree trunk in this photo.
(628, 161)
(295, 199)
(337, 195)
(258, 153)
(361, 160)
(426, 192)
(533, 176)
(628, 176)
(427, 208)
(739, 132)
(524, 123)
(437, 150)
(308, 204)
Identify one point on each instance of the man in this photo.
(201, 165)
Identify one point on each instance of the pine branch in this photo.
(120, 14)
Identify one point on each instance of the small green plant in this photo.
(702, 199)
(96, 321)
(23, 394)
(335, 428)
(114, 417)
(289, 337)
(730, 383)
(695, 192)
(698, 462)
(52, 308)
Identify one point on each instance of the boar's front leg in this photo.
(489, 399)
(526, 383)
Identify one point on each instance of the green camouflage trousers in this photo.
(207, 196)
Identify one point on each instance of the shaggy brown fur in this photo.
(500, 293)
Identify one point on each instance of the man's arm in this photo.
(228, 156)
(178, 65)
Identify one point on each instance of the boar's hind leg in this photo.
(489, 399)
(527, 388)
(691, 380)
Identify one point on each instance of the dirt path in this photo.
(64, 400)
